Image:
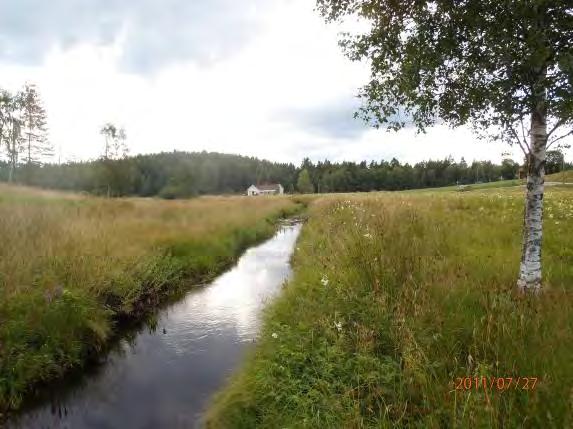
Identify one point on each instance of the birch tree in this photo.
(114, 149)
(503, 67)
(11, 129)
(115, 137)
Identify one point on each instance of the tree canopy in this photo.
(505, 67)
(484, 62)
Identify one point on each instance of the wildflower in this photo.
(338, 326)
(556, 222)
(551, 216)
(324, 280)
(275, 335)
(367, 235)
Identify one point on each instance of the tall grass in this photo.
(71, 265)
(394, 296)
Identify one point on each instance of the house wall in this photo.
(255, 191)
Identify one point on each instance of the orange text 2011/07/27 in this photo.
(495, 383)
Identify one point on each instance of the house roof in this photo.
(273, 187)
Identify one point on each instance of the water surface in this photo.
(164, 377)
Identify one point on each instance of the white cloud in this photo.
(277, 95)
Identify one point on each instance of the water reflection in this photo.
(163, 378)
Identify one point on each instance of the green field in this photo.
(397, 295)
(472, 187)
(72, 265)
(565, 176)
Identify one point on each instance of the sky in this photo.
(262, 78)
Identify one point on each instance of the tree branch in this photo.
(519, 141)
(559, 138)
(523, 134)
(557, 125)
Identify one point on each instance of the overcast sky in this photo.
(254, 77)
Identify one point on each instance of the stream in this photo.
(164, 375)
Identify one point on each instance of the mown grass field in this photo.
(394, 296)
(71, 266)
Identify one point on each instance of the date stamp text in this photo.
(495, 383)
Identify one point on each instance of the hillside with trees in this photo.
(187, 174)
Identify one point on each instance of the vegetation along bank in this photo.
(71, 266)
(395, 298)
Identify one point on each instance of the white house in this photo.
(276, 189)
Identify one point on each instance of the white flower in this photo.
(338, 325)
(275, 335)
(556, 222)
(367, 235)
(324, 280)
(551, 216)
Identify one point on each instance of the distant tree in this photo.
(11, 129)
(509, 169)
(496, 65)
(115, 146)
(304, 184)
(34, 123)
(554, 161)
(5, 121)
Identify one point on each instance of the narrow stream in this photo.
(163, 378)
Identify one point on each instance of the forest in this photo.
(186, 174)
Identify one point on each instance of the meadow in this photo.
(564, 176)
(72, 267)
(397, 300)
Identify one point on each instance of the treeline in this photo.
(184, 174)
(392, 175)
(168, 175)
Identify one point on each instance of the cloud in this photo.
(257, 77)
(153, 33)
(333, 119)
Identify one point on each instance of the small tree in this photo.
(11, 129)
(504, 67)
(554, 161)
(304, 184)
(34, 124)
(509, 169)
(115, 148)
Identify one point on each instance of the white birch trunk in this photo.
(530, 269)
